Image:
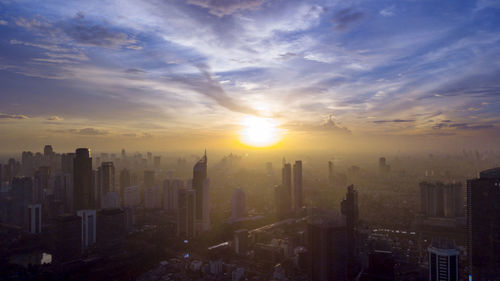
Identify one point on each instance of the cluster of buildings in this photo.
(79, 208)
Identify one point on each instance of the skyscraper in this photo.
(199, 179)
(107, 177)
(35, 218)
(327, 249)
(483, 225)
(441, 200)
(186, 215)
(349, 208)
(238, 204)
(298, 196)
(88, 227)
(282, 200)
(170, 194)
(124, 182)
(331, 175)
(443, 261)
(83, 193)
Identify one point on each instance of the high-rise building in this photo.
(199, 178)
(170, 194)
(282, 200)
(443, 261)
(241, 241)
(331, 175)
(67, 237)
(157, 162)
(88, 227)
(107, 177)
(381, 267)
(349, 208)
(383, 168)
(27, 163)
(67, 162)
(327, 249)
(110, 225)
(152, 197)
(131, 196)
(238, 204)
(35, 218)
(47, 150)
(483, 225)
(441, 200)
(42, 177)
(83, 193)
(124, 181)
(186, 215)
(298, 195)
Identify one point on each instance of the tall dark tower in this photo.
(83, 193)
(349, 208)
(298, 196)
(286, 181)
(199, 177)
(483, 225)
(326, 248)
(331, 175)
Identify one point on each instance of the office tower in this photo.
(42, 177)
(83, 193)
(327, 249)
(157, 162)
(286, 176)
(22, 195)
(349, 208)
(282, 200)
(152, 197)
(186, 215)
(107, 177)
(238, 204)
(67, 162)
(1, 175)
(27, 164)
(441, 200)
(35, 218)
(443, 261)
(241, 241)
(298, 196)
(383, 168)
(47, 150)
(88, 227)
(171, 194)
(149, 178)
(67, 237)
(199, 178)
(483, 225)
(132, 196)
(124, 179)
(331, 175)
(63, 190)
(124, 154)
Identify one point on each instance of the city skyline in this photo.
(180, 75)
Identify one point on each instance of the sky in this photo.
(361, 74)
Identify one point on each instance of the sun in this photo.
(260, 131)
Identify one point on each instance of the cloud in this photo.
(12, 116)
(344, 19)
(388, 12)
(394, 121)
(211, 88)
(87, 33)
(92, 132)
(53, 48)
(55, 118)
(450, 125)
(222, 8)
(34, 23)
(329, 125)
(134, 71)
(3, 22)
